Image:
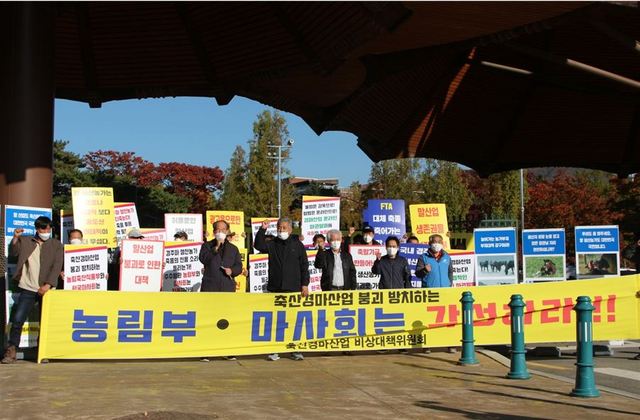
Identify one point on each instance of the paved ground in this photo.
(367, 386)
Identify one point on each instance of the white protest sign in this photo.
(256, 223)
(182, 267)
(85, 267)
(463, 268)
(319, 215)
(258, 273)
(141, 267)
(190, 223)
(154, 234)
(126, 218)
(363, 258)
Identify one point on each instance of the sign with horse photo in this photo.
(543, 255)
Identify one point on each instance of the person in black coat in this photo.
(393, 269)
(288, 263)
(221, 260)
(345, 277)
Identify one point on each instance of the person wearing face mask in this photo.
(221, 260)
(435, 268)
(288, 265)
(338, 270)
(318, 241)
(40, 259)
(393, 269)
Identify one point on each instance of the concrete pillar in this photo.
(27, 92)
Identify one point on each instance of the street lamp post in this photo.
(278, 157)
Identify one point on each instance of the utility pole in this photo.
(278, 157)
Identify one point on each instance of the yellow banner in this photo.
(93, 214)
(236, 225)
(122, 325)
(428, 219)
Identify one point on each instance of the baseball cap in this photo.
(135, 233)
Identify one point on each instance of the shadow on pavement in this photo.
(471, 414)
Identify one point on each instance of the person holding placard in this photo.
(40, 259)
(393, 268)
(288, 264)
(221, 259)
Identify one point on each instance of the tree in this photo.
(504, 195)
(270, 129)
(68, 172)
(395, 179)
(450, 188)
(352, 204)
(235, 191)
(194, 182)
(109, 164)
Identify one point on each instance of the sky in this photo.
(200, 132)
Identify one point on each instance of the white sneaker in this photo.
(297, 356)
(273, 357)
(204, 359)
(230, 358)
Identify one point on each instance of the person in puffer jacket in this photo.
(435, 268)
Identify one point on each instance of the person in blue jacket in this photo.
(435, 268)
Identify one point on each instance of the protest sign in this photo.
(543, 255)
(235, 219)
(319, 215)
(93, 214)
(315, 274)
(66, 224)
(258, 273)
(126, 217)
(256, 223)
(427, 219)
(241, 280)
(89, 325)
(413, 252)
(386, 217)
(496, 261)
(141, 267)
(154, 234)
(85, 267)
(190, 223)
(597, 251)
(182, 267)
(363, 258)
(463, 263)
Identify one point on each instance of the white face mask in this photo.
(392, 251)
(220, 236)
(75, 241)
(436, 247)
(44, 236)
(368, 238)
(335, 245)
(283, 235)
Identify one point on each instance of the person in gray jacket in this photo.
(393, 269)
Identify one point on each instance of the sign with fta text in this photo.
(597, 251)
(319, 215)
(386, 217)
(85, 267)
(141, 267)
(429, 219)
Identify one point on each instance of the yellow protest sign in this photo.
(236, 225)
(241, 280)
(427, 219)
(93, 214)
(124, 325)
